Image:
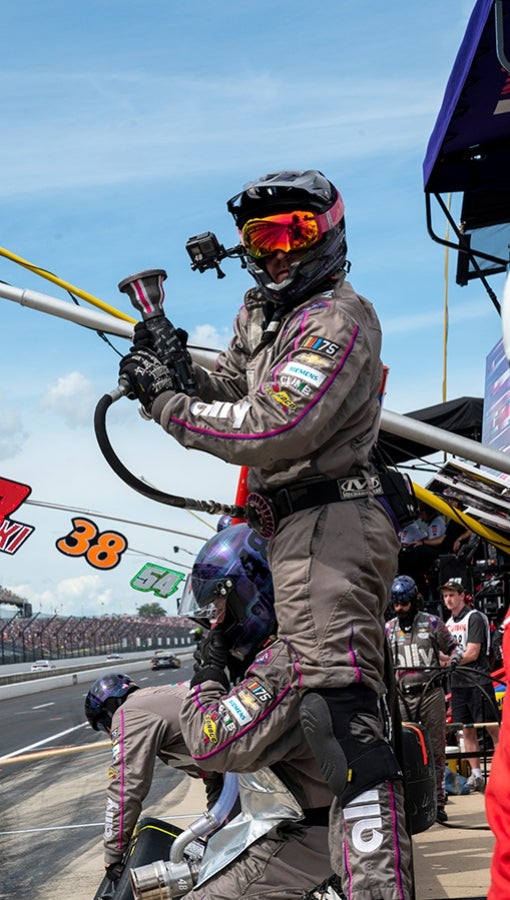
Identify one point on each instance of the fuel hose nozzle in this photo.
(146, 292)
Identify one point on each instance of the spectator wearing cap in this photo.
(472, 692)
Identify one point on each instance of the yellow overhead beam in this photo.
(443, 507)
(84, 295)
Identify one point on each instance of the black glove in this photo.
(211, 651)
(213, 783)
(114, 871)
(143, 339)
(145, 376)
(210, 659)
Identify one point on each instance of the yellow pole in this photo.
(84, 295)
(493, 537)
(47, 754)
(445, 310)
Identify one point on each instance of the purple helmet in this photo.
(104, 697)
(404, 590)
(223, 522)
(232, 566)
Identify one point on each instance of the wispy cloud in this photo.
(210, 336)
(84, 595)
(12, 433)
(116, 128)
(419, 321)
(72, 397)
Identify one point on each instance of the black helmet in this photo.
(104, 697)
(283, 192)
(232, 566)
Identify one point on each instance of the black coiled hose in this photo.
(207, 506)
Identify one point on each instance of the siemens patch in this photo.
(237, 710)
(305, 373)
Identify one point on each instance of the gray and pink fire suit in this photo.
(300, 406)
(256, 726)
(415, 651)
(145, 728)
(253, 726)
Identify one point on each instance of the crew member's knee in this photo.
(359, 730)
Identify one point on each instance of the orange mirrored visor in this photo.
(289, 231)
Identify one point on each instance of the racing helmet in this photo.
(224, 521)
(404, 590)
(104, 697)
(232, 567)
(293, 192)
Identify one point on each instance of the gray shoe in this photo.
(476, 783)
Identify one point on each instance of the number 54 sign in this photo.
(151, 577)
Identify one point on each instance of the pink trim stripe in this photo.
(122, 776)
(199, 429)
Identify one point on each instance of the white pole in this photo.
(395, 423)
(90, 318)
(439, 439)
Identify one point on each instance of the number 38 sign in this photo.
(101, 549)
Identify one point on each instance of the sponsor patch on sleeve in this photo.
(237, 710)
(211, 729)
(304, 373)
(259, 691)
(311, 359)
(226, 719)
(321, 345)
(249, 699)
(280, 397)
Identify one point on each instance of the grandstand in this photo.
(24, 639)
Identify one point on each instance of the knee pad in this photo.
(358, 728)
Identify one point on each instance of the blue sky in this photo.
(126, 126)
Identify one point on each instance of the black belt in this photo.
(414, 689)
(264, 511)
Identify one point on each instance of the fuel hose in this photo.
(208, 506)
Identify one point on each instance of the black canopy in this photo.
(463, 417)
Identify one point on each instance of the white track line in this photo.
(47, 740)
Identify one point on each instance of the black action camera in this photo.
(206, 252)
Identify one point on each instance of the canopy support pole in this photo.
(500, 36)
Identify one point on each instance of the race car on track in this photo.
(165, 661)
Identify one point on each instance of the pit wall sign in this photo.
(101, 549)
(12, 534)
(162, 582)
